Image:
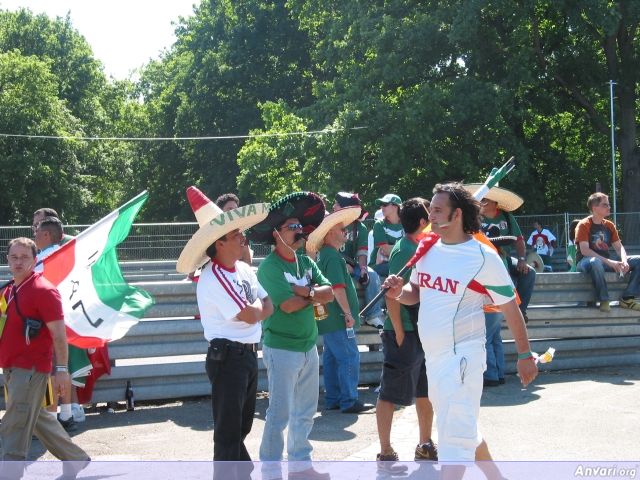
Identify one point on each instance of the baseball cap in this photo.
(389, 198)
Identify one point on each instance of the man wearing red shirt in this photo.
(30, 304)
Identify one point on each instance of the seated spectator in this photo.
(543, 243)
(571, 246)
(594, 236)
(356, 253)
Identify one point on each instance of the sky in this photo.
(124, 34)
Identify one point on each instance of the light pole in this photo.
(613, 153)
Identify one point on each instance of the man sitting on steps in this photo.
(594, 235)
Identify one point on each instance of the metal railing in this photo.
(165, 241)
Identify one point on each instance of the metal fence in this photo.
(164, 241)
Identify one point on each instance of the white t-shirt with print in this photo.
(222, 294)
(455, 281)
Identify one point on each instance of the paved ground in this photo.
(574, 415)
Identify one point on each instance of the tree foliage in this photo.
(408, 93)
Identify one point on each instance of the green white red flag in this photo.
(99, 305)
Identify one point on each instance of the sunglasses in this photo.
(293, 226)
(385, 204)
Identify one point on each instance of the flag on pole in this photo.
(99, 305)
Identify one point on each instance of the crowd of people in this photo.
(439, 322)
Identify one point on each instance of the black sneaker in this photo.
(69, 425)
(358, 407)
(426, 451)
(490, 383)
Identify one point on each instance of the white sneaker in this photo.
(376, 321)
(78, 413)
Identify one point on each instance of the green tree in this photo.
(97, 106)
(229, 57)
(35, 172)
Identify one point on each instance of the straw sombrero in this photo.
(344, 216)
(506, 199)
(307, 207)
(535, 261)
(214, 223)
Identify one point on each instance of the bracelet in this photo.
(398, 297)
(347, 314)
(525, 355)
(61, 368)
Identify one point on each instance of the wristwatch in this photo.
(312, 292)
(522, 258)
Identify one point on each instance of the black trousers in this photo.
(233, 373)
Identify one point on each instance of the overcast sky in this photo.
(123, 34)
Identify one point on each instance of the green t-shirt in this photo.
(334, 268)
(503, 224)
(384, 233)
(297, 331)
(400, 254)
(352, 249)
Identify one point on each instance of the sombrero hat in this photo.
(506, 199)
(214, 223)
(344, 216)
(534, 261)
(348, 199)
(307, 207)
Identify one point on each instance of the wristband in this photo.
(61, 368)
(398, 297)
(524, 259)
(525, 355)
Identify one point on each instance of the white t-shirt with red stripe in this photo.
(455, 281)
(222, 294)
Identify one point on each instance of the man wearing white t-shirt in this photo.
(452, 282)
(232, 304)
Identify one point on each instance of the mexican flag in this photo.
(99, 305)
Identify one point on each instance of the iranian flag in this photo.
(99, 305)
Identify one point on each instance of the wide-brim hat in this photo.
(214, 223)
(344, 216)
(535, 261)
(506, 199)
(307, 207)
(348, 199)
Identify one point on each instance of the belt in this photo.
(251, 347)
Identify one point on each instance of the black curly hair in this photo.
(460, 197)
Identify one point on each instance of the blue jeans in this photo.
(495, 351)
(341, 367)
(370, 291)
(524, 283)
(594, 267)
(293, 379)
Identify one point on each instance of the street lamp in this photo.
(613, 152)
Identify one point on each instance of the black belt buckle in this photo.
(252, 347)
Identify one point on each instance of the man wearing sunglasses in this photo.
(294, 283)
(594, 235)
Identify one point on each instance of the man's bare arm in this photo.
(257, 311)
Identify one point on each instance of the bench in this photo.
(163, 355)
